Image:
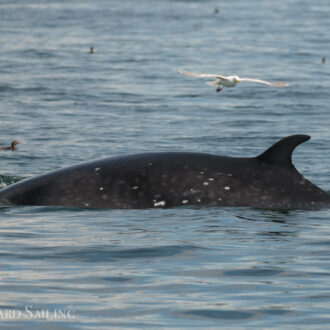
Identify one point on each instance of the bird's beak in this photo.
(238, 80)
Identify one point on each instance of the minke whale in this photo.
(171, 179)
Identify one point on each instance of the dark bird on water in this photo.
(12, 147)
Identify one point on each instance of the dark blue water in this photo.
(182, 267)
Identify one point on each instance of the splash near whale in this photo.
(171, 179)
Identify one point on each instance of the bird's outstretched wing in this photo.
(270, 83)
(202, 75)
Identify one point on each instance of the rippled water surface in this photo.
(183, 267)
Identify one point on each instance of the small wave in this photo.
(5, 88)
(218, 314)
(11, 88)
(17, 235)
(98, 254)
(37, 53)
(234, 315)
(104, 253)
(253, 272)
(7, 180)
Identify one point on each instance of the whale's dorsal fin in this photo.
(280, 153)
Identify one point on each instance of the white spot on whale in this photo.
(101, 188)
(135, 187)
(205, 183)
(211, 179)
(227, 188)
(185, 201)
(97, 169)
(161, 203)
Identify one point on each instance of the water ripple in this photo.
(100, 253)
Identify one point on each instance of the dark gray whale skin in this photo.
(171, 179)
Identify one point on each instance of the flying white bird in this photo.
(229, 81)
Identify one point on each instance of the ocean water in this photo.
(173, 268)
